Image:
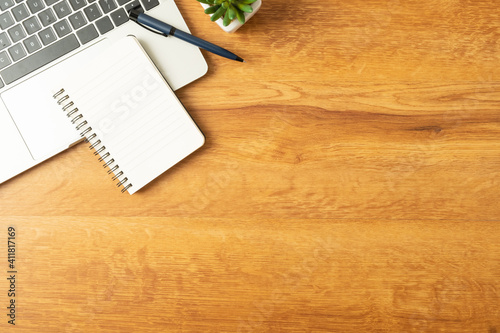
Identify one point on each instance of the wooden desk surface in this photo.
(350, 183)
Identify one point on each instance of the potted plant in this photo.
(230, 14)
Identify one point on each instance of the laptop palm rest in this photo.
(41, 123)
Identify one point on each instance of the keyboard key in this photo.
(62, 28)
(119, 16)
(104, 25)
(16, 33)
(32, 25)
(77, 20)
(62, 9)
(47, 36)
(4, 60)
(77, 4)
(6, 20)
(4, 41)
(35, 5)
(50, 2)
(47, 17)
(6, 4)
(107, 5)
(131, 5)
(32, 44)
(39, 59)
(149, 4)
(92, 12)
(17, 52)
(20, 12)
(122, 2)
(87, 34)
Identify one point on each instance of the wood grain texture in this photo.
(349, 183)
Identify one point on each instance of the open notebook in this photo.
(129, 114)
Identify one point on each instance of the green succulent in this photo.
(228, 9)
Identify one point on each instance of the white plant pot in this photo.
(236, 24)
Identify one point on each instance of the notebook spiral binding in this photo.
(81, 125)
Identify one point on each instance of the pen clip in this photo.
(134, 13)
(152, 30)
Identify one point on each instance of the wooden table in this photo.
(350, 183)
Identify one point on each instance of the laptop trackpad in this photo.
(39, 119)
(15, 155)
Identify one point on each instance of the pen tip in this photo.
(239, 59)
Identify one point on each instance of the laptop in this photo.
(41, 41)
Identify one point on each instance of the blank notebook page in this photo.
(133, 112)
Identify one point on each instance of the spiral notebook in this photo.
(129, 115)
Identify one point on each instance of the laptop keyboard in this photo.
(34, 33)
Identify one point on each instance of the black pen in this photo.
(162, 28)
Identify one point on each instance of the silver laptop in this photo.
(43, 40)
